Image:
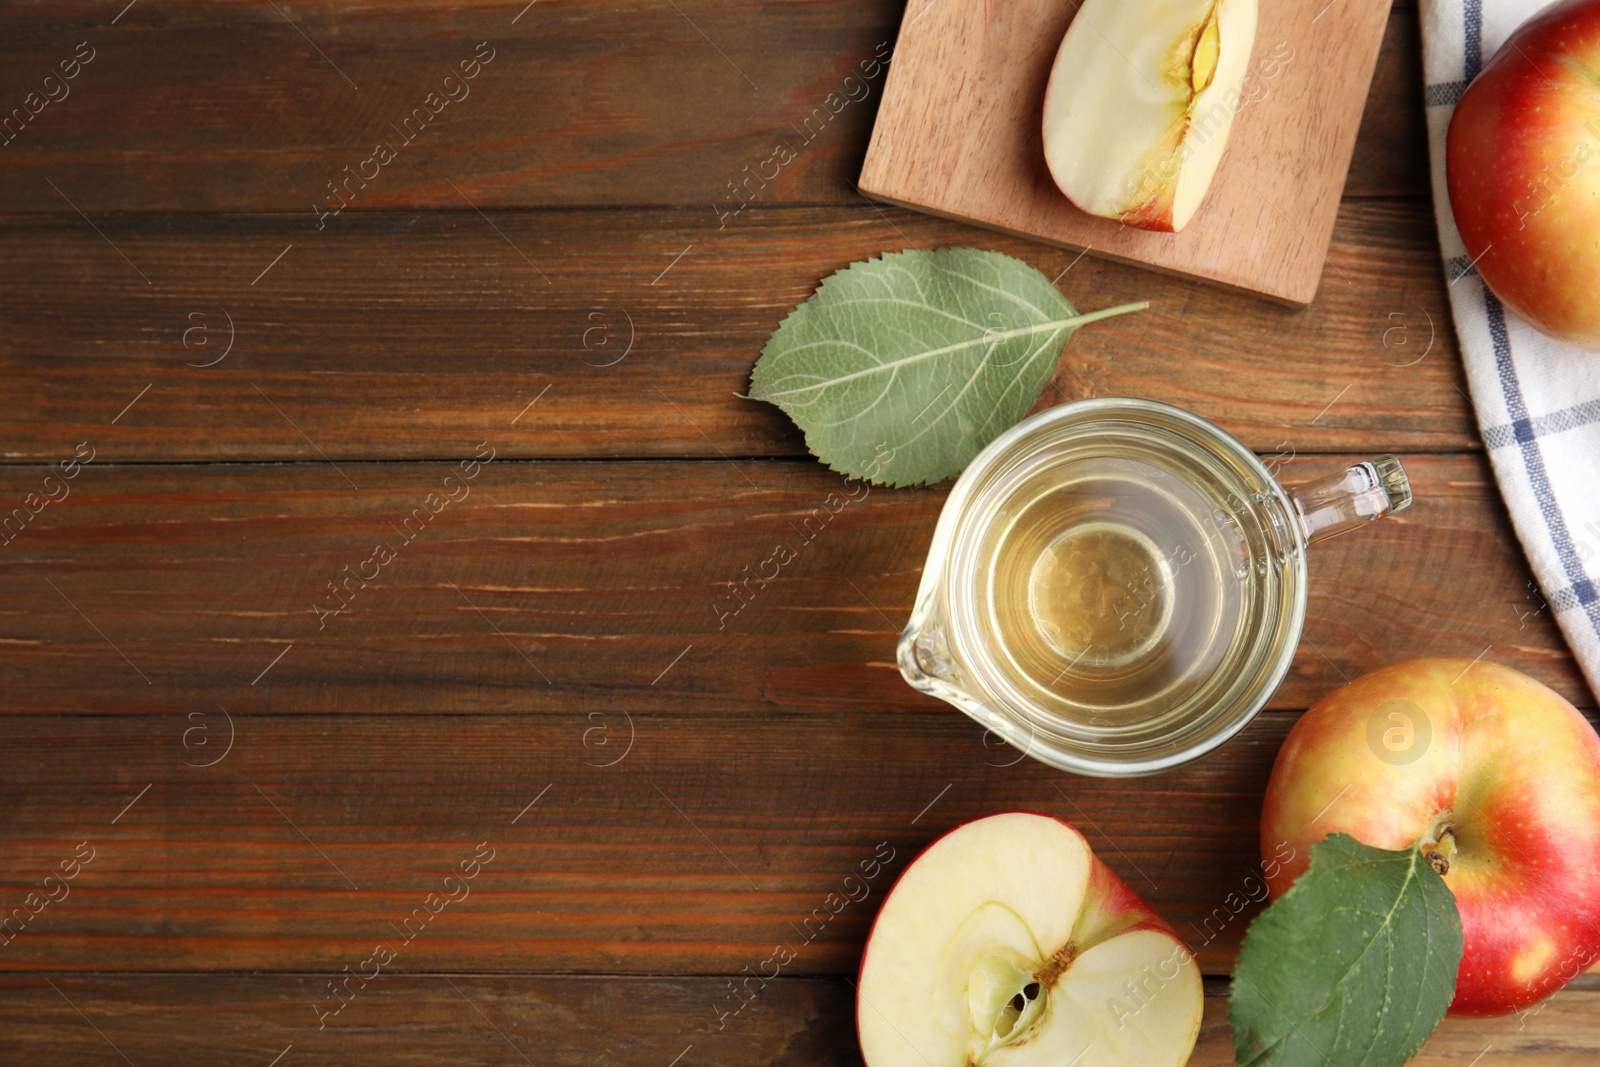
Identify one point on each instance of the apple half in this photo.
(1140, 102)
(1007, 942)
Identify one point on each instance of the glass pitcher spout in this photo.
(1357, 495)
(930, 651)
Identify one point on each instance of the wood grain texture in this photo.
(234, 106)
(417, 336)
(958, 134)
(225, 106)
(1391, 148)
(699, 849)
(555, 586)
(427, 1021)
(316, 837)
(422, 1021)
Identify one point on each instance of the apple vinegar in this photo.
(1111, 591)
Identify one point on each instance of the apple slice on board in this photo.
(1141, 98)
(1007, 942)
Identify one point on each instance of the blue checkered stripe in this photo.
(1523, 432)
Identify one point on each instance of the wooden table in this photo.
(511, 357)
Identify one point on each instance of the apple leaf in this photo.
(900, 369)
(1355, 965)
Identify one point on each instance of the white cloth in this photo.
(1537, 400)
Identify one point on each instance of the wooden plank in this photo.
(235, 106)
(650, 843)
(958, 134)
(317, 836)
(418, 336)
(1391, 152)
(420, 1021)
(553, 585)
(232, 106)
(428, 1021)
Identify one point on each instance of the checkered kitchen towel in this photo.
(1538, 401)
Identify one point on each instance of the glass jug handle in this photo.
(1354, 497)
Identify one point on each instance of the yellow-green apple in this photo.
(1495, 775)
(1523, 167)
(1007, 943)
(1140, 101)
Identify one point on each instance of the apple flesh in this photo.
(1008, 943)
(1140, 102)
(1522, 163)
(1497, 777)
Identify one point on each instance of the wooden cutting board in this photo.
(958, 135)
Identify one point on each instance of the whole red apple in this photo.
(1522, 162)
(1498, 778)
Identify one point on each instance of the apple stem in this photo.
(1439, 851)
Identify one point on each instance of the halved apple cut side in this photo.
(1140, 103)
(1007, 943)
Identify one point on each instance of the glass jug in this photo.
(1117, 586)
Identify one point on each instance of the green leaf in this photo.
(1353, 967)
(900, 369)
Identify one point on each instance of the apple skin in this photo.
(1509, 767)
(1522, 163)
(1155, 214)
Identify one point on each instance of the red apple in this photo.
(1008, 943)
(1523, 166)
(1497, 777)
